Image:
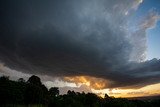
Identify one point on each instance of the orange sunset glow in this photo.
(99, 86)
(95, 83)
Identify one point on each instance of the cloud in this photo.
(13, 74)
(94, 83)
(138, 93)
(150, 21)
(138, 37)
(76, 38)
(136, 4)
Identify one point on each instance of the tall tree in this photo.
(34, 80)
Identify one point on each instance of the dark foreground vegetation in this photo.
(23, 93)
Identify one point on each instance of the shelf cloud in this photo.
(62, 38)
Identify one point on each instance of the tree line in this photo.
(33, 92)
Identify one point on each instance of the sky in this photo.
(153, 37)
(99, 46)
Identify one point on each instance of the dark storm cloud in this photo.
(71, 38)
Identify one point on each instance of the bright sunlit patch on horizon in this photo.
(149, 90)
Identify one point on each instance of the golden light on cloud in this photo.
(99, 86)
(95, 83)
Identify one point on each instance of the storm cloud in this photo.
(63, 38)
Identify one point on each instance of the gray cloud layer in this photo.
(71, 38)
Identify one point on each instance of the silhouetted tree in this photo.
(92, 100)
(21, 80)
(106, 96)
(4, 78)
(4, 90)
(53, 91)
(71, 93)
(36, 92)
(33, 94)
(34, 80)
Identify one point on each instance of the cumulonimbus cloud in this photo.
(75, 38)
